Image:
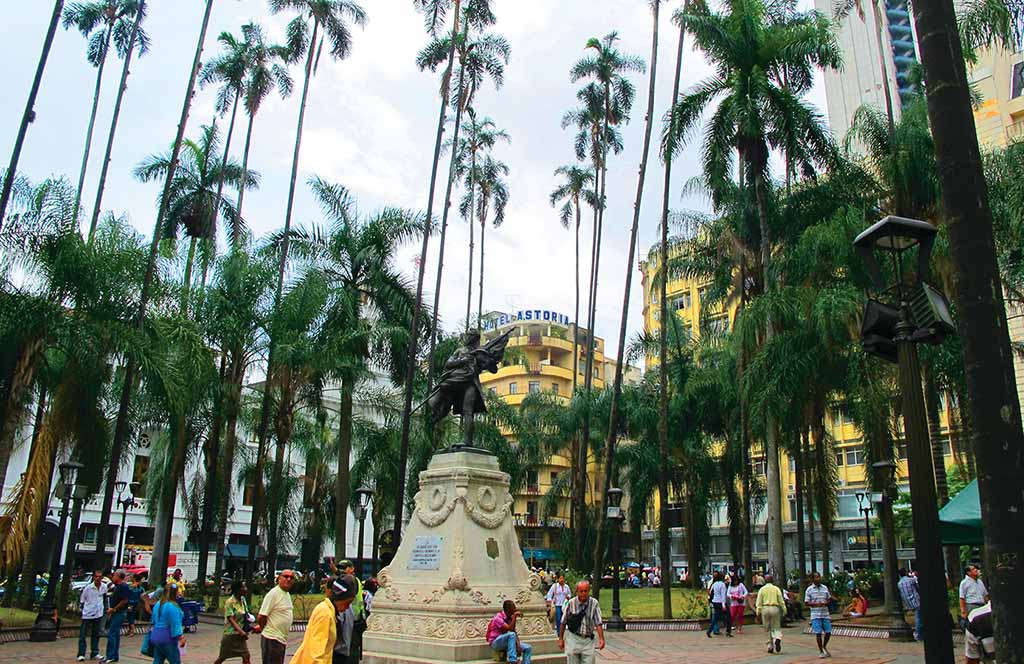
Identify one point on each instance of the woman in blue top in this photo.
(166, 636)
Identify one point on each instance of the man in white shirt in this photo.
(92, 615)
(817, 597)
(973, 593)
(557, 595)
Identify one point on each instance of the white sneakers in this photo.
(824, 654)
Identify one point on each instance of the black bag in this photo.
(574, 621)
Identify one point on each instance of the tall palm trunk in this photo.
(236, 234)
(259, 500)
(410, 367)
(664, 536)
(236, 373)
(951, 552)
(821, 475)
(808, 481)
(444, 219)
(122, 86)
(472, 230)
(121, 427)
(283, 431)
(988, 358)
(576, 305)
(580, 482)
(343, 477)
(613, 418)
(220, 182)
(480, 290)
(92, 119)
(29, 114)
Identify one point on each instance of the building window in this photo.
(792, 465)
(854, 456)
(718, 324)
(139, 474)
(534, 386)
(848, 508)
(492, 390)
(1017, 81)
(531, 513)
(702, 293)
(513, 388)
(554, 478)
(840, 417)
(760, 465)
(554, 388)
(839, 458)
(531, 539)
(681, 301)
(531, 480)
(947, 449)
(901, 450)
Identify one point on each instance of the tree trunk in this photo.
(214, 482)
(988, 359)
(237, 375)
(951, 553)
(283, 430)
(809, 497)
(472, 256)
(236, 235)
(411, 363)
(480, 291)
(444, 223)
(125, 70)
(343, 477)
(29, 114)
(259, 502)
(693, 561)
(798, 472)
(818, 434)
(92, 121)
(613, 418)
(576, 306)
(220, 180)
(121, 427)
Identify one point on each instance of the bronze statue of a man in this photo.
(458, 388)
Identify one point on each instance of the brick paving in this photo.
(632, 648)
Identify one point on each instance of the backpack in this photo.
(574, 621)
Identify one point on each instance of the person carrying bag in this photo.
(166, 638)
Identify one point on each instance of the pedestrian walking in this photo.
(737, 597)
(237, 625)
(321, 631)
(911, 599)
(91, 601)
(769, 606)
(502, 635)
(167, 637)
(275, 619)
(817, 597)
(556, 598)
(717, 595)
(136, 588)
(973, 593)
(120, 595)
(581, 622)
(358, 608)
(979, 637)
(345, 624)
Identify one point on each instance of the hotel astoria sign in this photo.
(528, 316)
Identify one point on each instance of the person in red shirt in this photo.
(501, 634)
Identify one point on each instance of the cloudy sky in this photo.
(370, 126)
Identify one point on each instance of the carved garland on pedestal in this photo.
(433, 510)
(447, 629)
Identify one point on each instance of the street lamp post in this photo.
(365, 496)
(45, 627)
(124, 502)
(615, 519)
(866, 511)
(892, 331)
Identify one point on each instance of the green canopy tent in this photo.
(960, 519)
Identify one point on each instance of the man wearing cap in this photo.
(320, 644)
(358, 608)
(275, 619)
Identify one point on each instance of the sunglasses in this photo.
(287, 576)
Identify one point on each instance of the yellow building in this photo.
(998, 76)
(848, 545)
(539, 358)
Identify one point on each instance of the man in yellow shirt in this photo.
(770, 606)
(321, 631)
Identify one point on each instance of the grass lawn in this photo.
(646, 603)
(19, 618)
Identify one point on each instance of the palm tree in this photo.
(606, 103)
(29, 114)
(137, 35)
(265, 70)
(369, 306)
(117, 19)
(333, 17)
(493, 194)
(578, 183)
(483, 57)
(756, 111)
(122, 424)
(613, 422)
(194, 201)
(664, 537)
(481, 139)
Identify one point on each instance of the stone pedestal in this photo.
(458, 561)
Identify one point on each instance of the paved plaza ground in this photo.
(632, 648)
